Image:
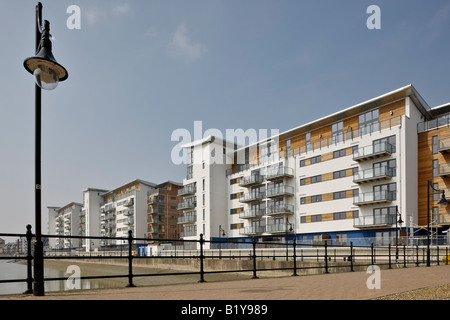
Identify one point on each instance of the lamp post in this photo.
(288, 229)
(47, 74)
(221, 234)
(442, 203)
(398, 220)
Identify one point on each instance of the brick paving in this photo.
(336, 286)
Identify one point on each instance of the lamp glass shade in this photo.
(45, 77)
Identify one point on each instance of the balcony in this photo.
(156, 229)
(252, 180)
(444, 219)
(185, 205)
(252, 230)
(444, 170)
(279, 228)
(129, 202)
(129, 222)
(373, 151)
(187, 190)
(279, 191)
(252, 196)
(155, 219)
(128, 212)
(375, 174)
(280, 173)
(374, 221)
(280, 209)
(188, 217)
(444, 145)
(373, 197)
(252, 214)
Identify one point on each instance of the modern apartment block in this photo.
(65, 221)
(349, 176)
(162, 211)
(149, 210)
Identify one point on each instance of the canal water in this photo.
(10, 270)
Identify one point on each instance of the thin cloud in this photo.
(182, 46)
(122, 9)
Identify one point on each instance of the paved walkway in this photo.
(337, 286)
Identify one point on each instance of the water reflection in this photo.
(10, 270)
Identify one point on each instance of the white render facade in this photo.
(65, 221)
(353, 181)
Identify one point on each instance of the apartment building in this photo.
(65, 221)
(149, 210)
(349, 176)
(162, 211)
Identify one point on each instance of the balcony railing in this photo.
(444, 145)
(188, 217)
(187, 190)
(373, 197)
(280, 173)
(187, 205)
(252, 196)
(444, 170)
(373, 151)
(279, 228)
(373, 174)
(280, 209)
(281, 190)
(252, 213)
(372, 221)
(252, 230)
(251, 180)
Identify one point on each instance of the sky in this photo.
(141, 69)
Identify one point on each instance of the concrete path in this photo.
(337, 286)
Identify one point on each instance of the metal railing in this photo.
(328, 257)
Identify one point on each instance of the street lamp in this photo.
(221, 234)
(398, 220)
(288, 229)
(442, 203)
(47, 74)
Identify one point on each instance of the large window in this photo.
(337, 132)
(368, 122)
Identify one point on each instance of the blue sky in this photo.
(139, 69)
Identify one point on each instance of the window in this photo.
(435, 193)
(380, 144)
(316, 198)
(435, 144)
(302, 182)
(368, 122)
(204, 184)
(302, 200)
(339, 195)
(379, 167)
(316, 218)
(302, 163)
(339, 153)
(435, 215)
(308, 141)
(339, 174)
(339, 215)
(385, 191)
(435, 168)
(316, 159)
(316, 179)
(337, 132)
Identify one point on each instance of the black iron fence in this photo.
(328, 258)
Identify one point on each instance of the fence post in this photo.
(202, 272)
(351, 256)
(326, 256)
(295, 257)
(29, 259)
(130, 260)
(437, 247)
(254, 258)
(417, 255)
(446, 255)
(404, 256)
(389, 253)
(371, 253)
